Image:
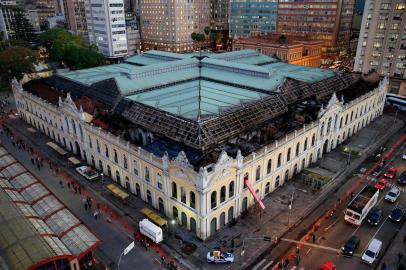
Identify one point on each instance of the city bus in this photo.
(360, 206)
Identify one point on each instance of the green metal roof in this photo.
(183, 99)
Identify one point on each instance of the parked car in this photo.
(397, 213)
(404, 156)
(402, 178)
(372, 252)
(328, 265)
(381, 184)
(392, 195)
(375, 216)
(87, 172)
(390, 172)
(219, 257)
(350, 246)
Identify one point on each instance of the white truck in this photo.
(151, 230)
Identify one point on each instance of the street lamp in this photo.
(101, 177)
(290, 207)
(125, 252)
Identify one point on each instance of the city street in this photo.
(336, 232)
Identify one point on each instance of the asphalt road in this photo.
(335, 232)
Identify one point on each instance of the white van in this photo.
(372, 252)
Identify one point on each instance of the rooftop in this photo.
(34, 225)
(200, 99)
(279, 40)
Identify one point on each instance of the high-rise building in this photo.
(133, 33)
(219, 14)
(106, 26)
(168, 25)
(382, 42)
(75, 16)
(247, 17)
(14, 23)
(329, 21)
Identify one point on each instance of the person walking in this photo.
(400, 256)
(61, 183)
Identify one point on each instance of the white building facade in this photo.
(203, 201)
(106, 26)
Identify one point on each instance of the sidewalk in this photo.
(397, 246)
(275, 221)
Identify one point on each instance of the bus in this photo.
(396, 101)
(360, 206)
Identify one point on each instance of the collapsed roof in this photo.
(200, 99)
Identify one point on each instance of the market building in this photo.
(200, 137)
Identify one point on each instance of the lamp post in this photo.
(290, 207)
(125, 252)
(102, 178)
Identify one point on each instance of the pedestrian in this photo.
(75, 189)
(32, 161)
(314, 238)
(80, 190)
(162, 260)
(400, 256)
(38, 167)
(61, 183)
(95, 214)
(69, 185)
(86, 206)
(297, 260)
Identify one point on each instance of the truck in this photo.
(360, 206)
(151, 230)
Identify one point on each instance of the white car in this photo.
(404, 157)
(218, 257)
(372, 252)
(392, 195)
(87, 172)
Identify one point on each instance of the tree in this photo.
(207, 30)
(79, 58)
(194, 36)
(16, 61)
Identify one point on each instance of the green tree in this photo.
(207, 30)
(194, 36)
(79, 58)
(16, 61)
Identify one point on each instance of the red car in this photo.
(390, 173)
(381, 184)
(328, 265)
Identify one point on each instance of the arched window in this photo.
(346, 119)
(305, 145)
(223, 194)
(182, 195)
(279, 160)
(174, 190)
(125, 162)
(322, 129)
(288, 155)
(73, 126)
(267, 186)
(352, 114)
(192, 198)
(97, 146)
(175, 212)
(213, 199)
(135, 164)
(329, 125)
(313, 139)
(159, 180)
(258, 173)
(146, 174)
(90, 142)
(118, 176)
(231, 189)
(100, 165)
(109, 170)
(115, 156)
(297, 149)
(106, 151)
(269, 166)
(245, 179)
(341, 122)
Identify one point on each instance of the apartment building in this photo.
(106, 26)
(168, 25)
(382, 42)
(75, 16)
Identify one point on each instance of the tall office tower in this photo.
(75, 16)
(133, 33)
(329, 21)
(167, 25)
(382, 42)
(106, 26)
(14, 23)
(256, 17)
(219, 14)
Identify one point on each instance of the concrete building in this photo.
(329, 21)
(168, 26)
(75, 14)
(219, 10)
(106, 27)
(382, 42)
(290, 49)
(13, 21)
(133, 33)
(205, 136)
(247, 17)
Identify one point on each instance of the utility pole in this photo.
(290, 207)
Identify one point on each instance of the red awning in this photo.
(248, 184)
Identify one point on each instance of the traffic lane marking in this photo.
(310, 244)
